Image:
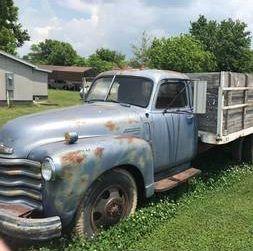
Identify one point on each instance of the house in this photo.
(21, 81)
(68, 77)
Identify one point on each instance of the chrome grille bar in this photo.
(21, 181)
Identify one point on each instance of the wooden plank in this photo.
(237, 106)
(227, 101)
(245, 101)
(238, 88)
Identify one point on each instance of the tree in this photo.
(111, 56)
(11, 33)
(105, 59)
(52, 52)
(182, 53)
(228, 40)
(140, 51)
(80, 61)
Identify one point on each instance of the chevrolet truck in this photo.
(85, 167)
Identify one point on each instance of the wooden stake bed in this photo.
(175, 180)
(229, 107)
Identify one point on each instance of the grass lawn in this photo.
(56, 99)
(212, 212)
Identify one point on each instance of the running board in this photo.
(175, 179)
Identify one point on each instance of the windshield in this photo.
(124, 89)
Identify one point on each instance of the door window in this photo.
(172, 95)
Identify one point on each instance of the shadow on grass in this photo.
(212, 163)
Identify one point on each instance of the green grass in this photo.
(56, 99)
(213, 212)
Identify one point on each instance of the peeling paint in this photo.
(112, 126)
(99, 152)
(75, 158)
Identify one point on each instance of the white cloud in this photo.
(90, 24)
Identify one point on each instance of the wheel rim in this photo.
(109, 208)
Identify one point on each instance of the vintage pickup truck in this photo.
(85, 167)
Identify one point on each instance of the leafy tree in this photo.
(11, 33)
(80, 61)
(100, 65)
(111, 56)
(52, 52)
(182, 53)
(140, 51)
(228, 40)
(105, 59)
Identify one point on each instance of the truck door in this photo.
(174, 132)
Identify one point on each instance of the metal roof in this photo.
(22, 61)
(155, 75)
(75, 69)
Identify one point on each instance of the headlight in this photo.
(5, 149)
(48, 169)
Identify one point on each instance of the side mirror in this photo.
(199, 97)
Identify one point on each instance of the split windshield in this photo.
(121, 89)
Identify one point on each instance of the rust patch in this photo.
(99, 152)
(74, 158)
(16, 209)
(68, 174)
(111, 126)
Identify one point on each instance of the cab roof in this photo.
(155, 75)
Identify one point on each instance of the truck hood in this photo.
(88, 120)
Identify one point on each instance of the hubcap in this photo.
(109, 208)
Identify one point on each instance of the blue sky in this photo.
(116, 24)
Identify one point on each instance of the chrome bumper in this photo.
(29, 229)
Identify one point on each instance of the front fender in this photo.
(80, 164)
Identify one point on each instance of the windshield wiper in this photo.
(111, 100)
(108, 100)
(121, 103)
(95, 100)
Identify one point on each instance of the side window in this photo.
(172, 95)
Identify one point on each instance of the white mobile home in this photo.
(21, 81)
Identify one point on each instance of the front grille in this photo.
(21, 182)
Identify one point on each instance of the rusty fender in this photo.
(80, 164)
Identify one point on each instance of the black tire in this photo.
(248, 149)
(109, 199)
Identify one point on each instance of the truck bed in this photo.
(229, 108)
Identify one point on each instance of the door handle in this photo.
(190, 116)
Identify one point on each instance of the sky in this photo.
(116, 24)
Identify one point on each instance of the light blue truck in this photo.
(85, 167)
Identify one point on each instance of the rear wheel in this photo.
(110, 199)
(248, 149)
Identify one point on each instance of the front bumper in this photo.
(29, 229)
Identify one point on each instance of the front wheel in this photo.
(110, 199)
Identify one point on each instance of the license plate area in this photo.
(18, 210)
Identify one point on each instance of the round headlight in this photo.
(48, 169)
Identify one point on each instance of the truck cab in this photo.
(87, 166)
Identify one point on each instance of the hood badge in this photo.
(5, 149)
